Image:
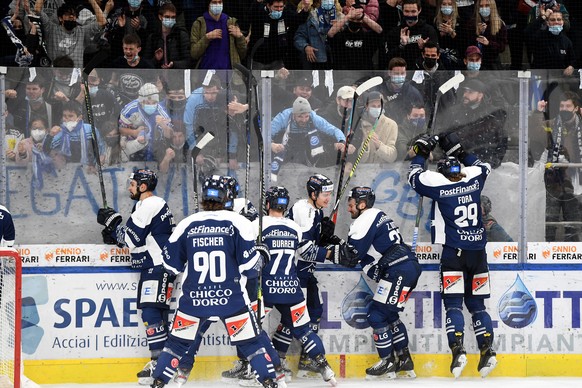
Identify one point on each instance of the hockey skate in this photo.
(325, 370)
(241, 368)
(268, 383)
(383, 369)
(405, 365)
(286, 370)
(307, 368)
(487, 361)
(181, 376)
(157, 383)
(459, 357)
(144, 377)
(250, 379)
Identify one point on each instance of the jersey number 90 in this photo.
(210, 265)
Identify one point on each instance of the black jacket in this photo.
(178, 48)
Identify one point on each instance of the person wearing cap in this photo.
(299, 135)
(338, 114)
(145, 126)
(384, 132)
(478, 122)
(472, 60)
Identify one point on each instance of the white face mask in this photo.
(374, 112)
(38, 135)
(70, 125)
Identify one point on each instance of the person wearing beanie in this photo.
(145, 126)
(299, 135)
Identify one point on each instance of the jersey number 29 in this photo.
(467, 215)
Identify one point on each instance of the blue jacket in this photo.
(280, 122)
(308, 35)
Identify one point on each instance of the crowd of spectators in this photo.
(145, 111)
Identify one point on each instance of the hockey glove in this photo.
(263, 250)
(344, 254)
(424, 145)
(327, 231)
(107, 237)
(109, 218)
(451, 145)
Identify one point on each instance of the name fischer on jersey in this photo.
(459, 190)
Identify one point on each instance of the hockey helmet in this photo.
(449, 166)
(214, 189)
(145, 175)
(277, 197)
(318, 183)
(232, 184)
(363, 193)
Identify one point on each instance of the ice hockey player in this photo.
(7, 233)
(308, 214)
(146, 231)
(280, 285)
(215, 248)
(242, 369)
(387, 260)
(456, 223)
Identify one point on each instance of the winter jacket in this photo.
(177, 48)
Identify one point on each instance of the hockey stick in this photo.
(343, 128)
(365, 86)
(248, 80)
(96, 60)
(356, 162)
(444, 88)
(208, 136)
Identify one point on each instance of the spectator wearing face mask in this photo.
(169, 46)
(550, 47)
(399, 92)
(71, 141)
(67, 37)
(447, 22)
(409, 130)
(408, 39)
(382, 130)
(487, 31)
(103, 104)
(216, 40)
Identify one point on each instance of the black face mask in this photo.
(70, 24)
(430, 62)
(176, 105)
(566, 115)
(410, 19)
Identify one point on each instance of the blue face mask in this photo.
(555, 29)
(418, 122)
(93, 89)
(168, 22)
(398, 79)
(447, 10)
(485, 11)
(134, 3)
(215, 9)
(150, 108)
(327, 4)
(276, 15)
(473, 66)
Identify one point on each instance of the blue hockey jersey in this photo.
(309, 220)
(7, 233)
(280, 283)
(216, 251)
(373, 233)
(148, 228)
(456, 219)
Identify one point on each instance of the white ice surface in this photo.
(435, 382)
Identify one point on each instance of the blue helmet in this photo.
(318, 183)
(145, 175)
(214, 189)
(277, 197)
(449, 166)
(363, 193)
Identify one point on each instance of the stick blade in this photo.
(369, 84)
(208, 136)
(456, 80)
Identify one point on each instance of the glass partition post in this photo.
(266, 117)
(524, 77)
(3, 181)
